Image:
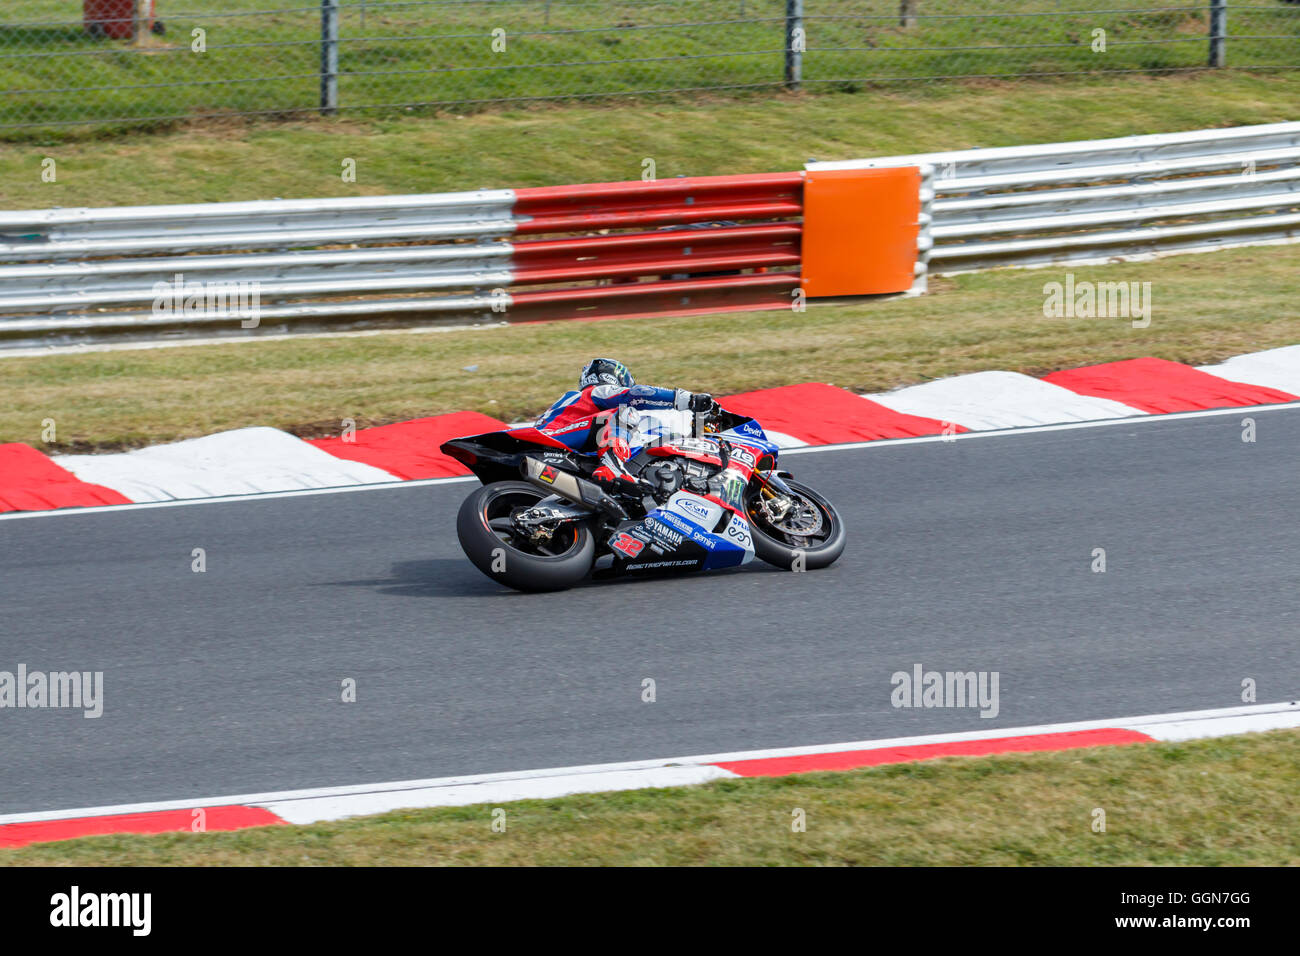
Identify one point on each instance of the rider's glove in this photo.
(607, 475)
(702, 402)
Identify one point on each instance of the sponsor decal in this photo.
(699, 537)
(664, 533)
(585, 423)
(743, 455)
(691, 563)
(548, 475)
(694, 507)
(667, 517)
(738, 531)
(733, 489)
(627, 544)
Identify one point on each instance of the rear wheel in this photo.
(804, 531)
(523, 562)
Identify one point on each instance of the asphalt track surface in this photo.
(964, 555)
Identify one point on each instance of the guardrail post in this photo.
(329, 56)
(794, 44)
(924, 237)
(1218, 32)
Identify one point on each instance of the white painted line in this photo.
(487, 788)
(1043, 429)
(993, 400)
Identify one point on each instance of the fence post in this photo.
(329, 56)
(139, 21)
(794, 44)
(1218, 32)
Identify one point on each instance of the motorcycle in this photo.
(708, 495)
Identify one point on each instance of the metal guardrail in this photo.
(1098, 200)
(75, 277)
(71, 277)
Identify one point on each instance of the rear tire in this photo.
(779, 547)
(516, 562)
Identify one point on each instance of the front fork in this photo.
(775, 496)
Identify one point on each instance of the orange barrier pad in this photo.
(859, 230)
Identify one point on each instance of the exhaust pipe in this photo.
(556, 481)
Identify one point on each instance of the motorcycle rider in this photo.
(602, 414)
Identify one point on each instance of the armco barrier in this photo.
(679, 246)
(1096, 200)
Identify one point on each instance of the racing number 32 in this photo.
(627, 544)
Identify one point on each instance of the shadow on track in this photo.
(456, 577)
(438, 577)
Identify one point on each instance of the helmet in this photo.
(603, 371)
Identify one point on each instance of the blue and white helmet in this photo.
(604, 371)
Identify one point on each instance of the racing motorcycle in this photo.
(708, 494)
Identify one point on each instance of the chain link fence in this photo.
(113, 62)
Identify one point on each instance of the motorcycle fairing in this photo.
(750, 432)
(676, 537)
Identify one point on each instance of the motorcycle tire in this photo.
(514, 562)
(783, 550)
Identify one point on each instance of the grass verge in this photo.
(1205, 308)
(233, 160)
(418, 56)
(1228, 801)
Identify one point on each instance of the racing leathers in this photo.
(602, 418)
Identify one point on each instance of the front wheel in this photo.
(524, 563)
(801, 532)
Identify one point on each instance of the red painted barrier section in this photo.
(591, 206)
(628, 300)
(409, 450)
(684, 246)
(158, 821)
(1157, 386)
(825, 415)
(853, 759)
(675, 253)
(29, 481)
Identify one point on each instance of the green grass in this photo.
(1205, 308)
(577, 144)
(430, 55)
(1230, 801)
